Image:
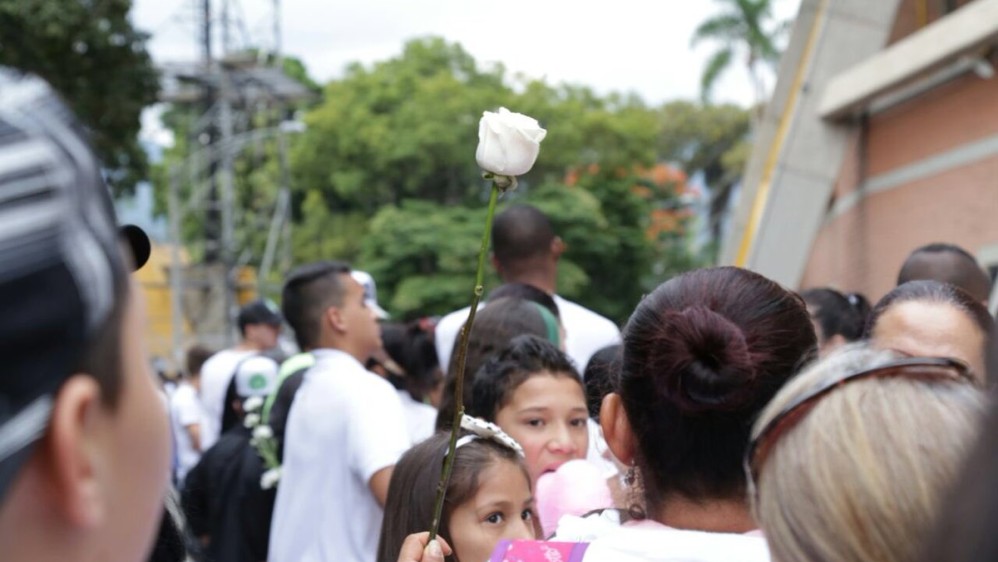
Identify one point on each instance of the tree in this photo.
(743, 27)
(91, 54)
(709, 142)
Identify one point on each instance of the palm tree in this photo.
(742, 28)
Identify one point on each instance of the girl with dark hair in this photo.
(500, 321)
(932, 319)
(838, 318)
(532, 391)
(489, 496)
(703, 354)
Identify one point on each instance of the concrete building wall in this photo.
(925, 171)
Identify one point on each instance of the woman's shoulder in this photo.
(613, 535)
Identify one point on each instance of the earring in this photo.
(631, 476)
(635, 491)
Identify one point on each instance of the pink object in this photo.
(576, 488)
(538, 551)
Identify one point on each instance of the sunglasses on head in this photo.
(921, 368)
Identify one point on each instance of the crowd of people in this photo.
(730, 419)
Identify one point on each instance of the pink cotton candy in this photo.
(576, 488)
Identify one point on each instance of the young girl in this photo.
(488, 499)
(533, 392)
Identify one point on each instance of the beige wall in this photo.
(863, 247)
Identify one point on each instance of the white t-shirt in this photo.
(216, 374)
(345, 425)
(420, 418)
(185, 410)
(585, 332)
(649, 541)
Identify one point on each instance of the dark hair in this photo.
(963, 271)
(936, 292)
(196, 356)
(521, 233)
(308, 291)
(495, 325)
(526, 292)
(413, 486)
(703, 354)
(102, 358)
(500, 376)
(601, 376)
(411, 347)
(837, 314)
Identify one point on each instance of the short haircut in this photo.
(413, 486)
(933, 292)
(308, 292)
(103, 358)
(501, 375)
(838, 314)
(196, 357)
(520, 234)
(947, 263)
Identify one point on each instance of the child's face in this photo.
(547, 416)
(503, 508)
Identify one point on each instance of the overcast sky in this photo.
(637, 46)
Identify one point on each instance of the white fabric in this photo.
(345, 425)
(185, 410)
(651, 542)
(599, 452)
(216, 374)
(420, 418)
(585, 332)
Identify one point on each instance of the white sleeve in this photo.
(444, 336)
(377, 431)
(186, 408)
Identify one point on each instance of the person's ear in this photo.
(74, 451)
(617, 428)
(335, 319)
(558, 247)
(495, 263)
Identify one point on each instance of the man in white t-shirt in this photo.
(525, 249)
(186, 414)
(259, 324)
(345, 430)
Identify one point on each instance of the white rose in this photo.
(270, 478)
(251, 420)
(508, 143)
(252, 404)
(262, 432)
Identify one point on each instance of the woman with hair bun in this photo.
(703, 354)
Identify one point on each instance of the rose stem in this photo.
(462, 356)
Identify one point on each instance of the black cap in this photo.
(62, 263)
(261, 311)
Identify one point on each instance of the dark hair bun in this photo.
(705, 360)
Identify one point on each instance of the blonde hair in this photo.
(861, 475)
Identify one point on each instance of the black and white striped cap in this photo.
(60, 264)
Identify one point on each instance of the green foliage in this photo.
(385, 177)
(91, 54)
(743, 26)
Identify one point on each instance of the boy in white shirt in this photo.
(345, 430)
